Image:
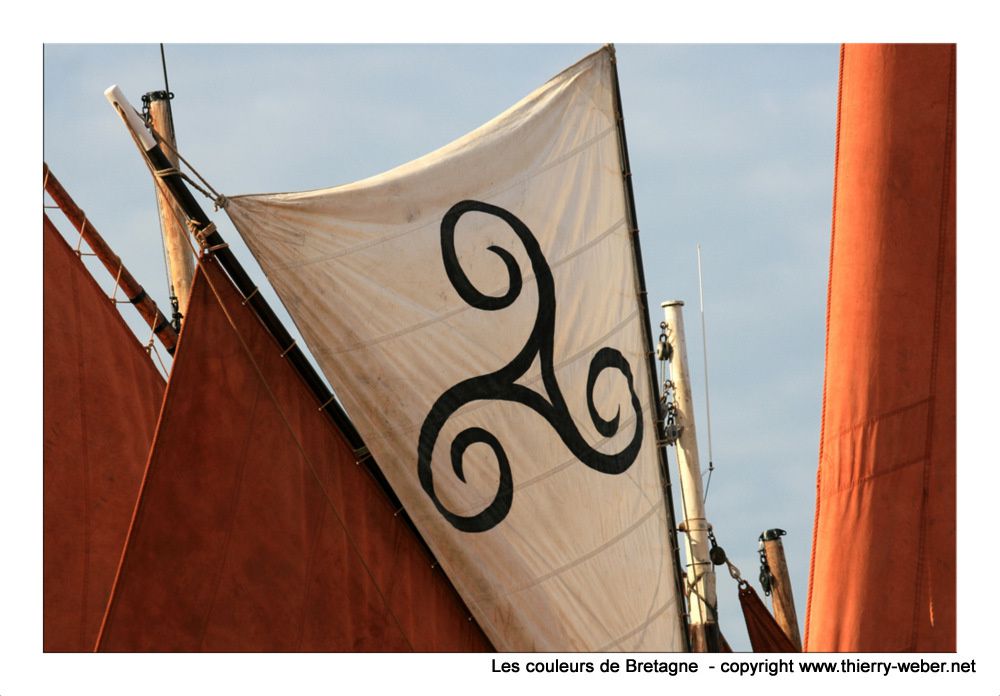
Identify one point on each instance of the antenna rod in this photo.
(704, 354)
(163, 62)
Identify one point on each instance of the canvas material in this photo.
(483, 300)
(101, 396)
(256, 530)
(883, 568)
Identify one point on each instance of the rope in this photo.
(79, 239)
(151, 349)
(219, 200)
(118, 278)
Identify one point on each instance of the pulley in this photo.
(664, 351)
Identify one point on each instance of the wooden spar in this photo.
(211, 242)
(782, 600)
(179, 257)
(700, 570)
(656, 407)
(133, 292)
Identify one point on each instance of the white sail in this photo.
(476, 312)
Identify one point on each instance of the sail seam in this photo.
(309, 464)
(320, 526)
(887, 415)
(641, 627)
(386, 433)
(487, 194)
(652, 613)
(621, 536)
(466, 307)
(867, 479)
(540, 477)
(232, 518)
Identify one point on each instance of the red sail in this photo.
(101, 397)
(883, 567)
(256, 530)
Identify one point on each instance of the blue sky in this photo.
(731, 147)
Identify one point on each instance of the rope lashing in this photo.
(216, 247)
(79, 239)
(118, 279)
(218, 200)
(170, 171)
(201, 234)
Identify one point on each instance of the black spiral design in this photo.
(501, 386)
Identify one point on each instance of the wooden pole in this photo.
(700, 570)
(782, 600)
(212, 242)
(179, 257)
(133, 292)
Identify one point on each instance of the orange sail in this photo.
(256, 529)
(101, 398)
(883, 567)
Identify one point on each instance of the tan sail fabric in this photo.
(476, 312)
(883, 567)
(101, 397)
(256, 530)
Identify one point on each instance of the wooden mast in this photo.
(208, 237)
(179, 257)
(702, 604)
(782, 600)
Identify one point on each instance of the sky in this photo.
(731, 146)
(363, 110)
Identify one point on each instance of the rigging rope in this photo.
(704, 353)
(163, 62)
